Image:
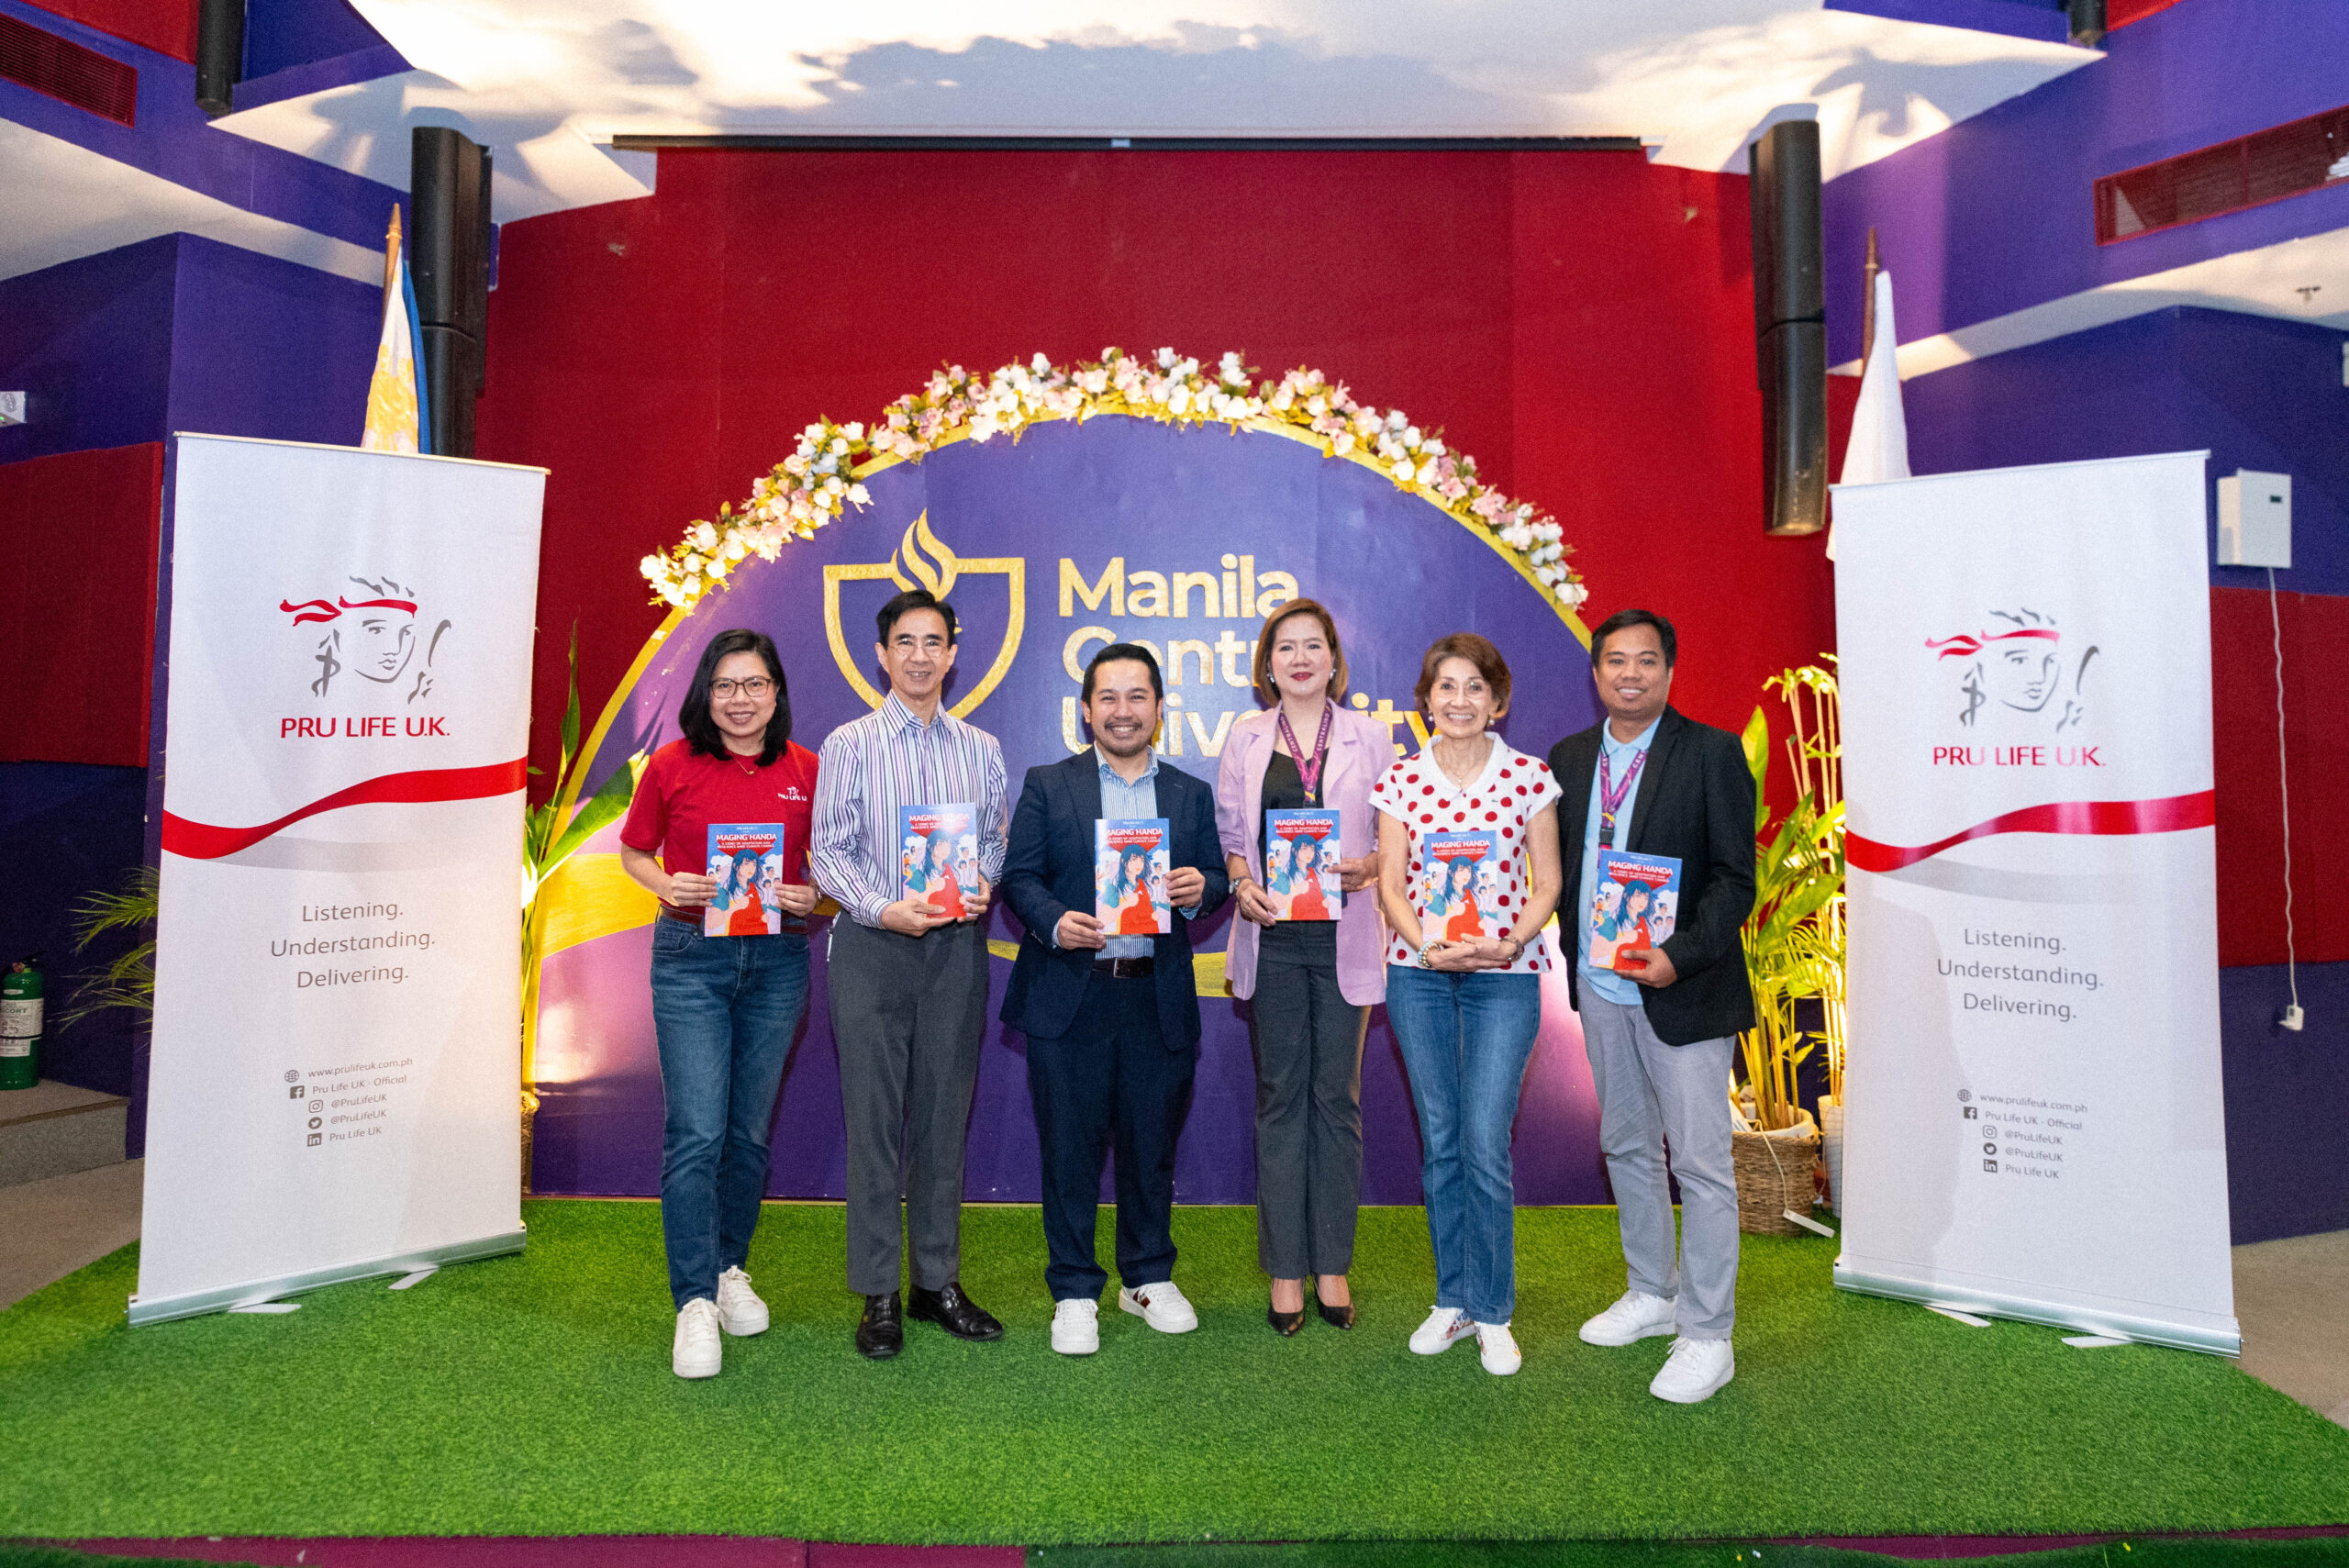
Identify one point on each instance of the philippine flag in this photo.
(397, 416)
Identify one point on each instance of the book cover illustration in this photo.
(747, 860)
(1131, 864)
(1301, 865)
(1460, 887)
(1635, 903)
(938, 856)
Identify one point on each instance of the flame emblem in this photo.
(939, 579)
(922, 559)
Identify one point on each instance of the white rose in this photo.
(862, 496)
(716, 569)
(1411, 436)
(1181, 401)
(1166, 359)
(1404, 473)
(705, 537)
(1435, 448)
(736, 548)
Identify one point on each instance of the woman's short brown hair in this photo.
(1478, 651)
(1265, 686)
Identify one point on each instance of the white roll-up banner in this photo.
(2032, 1123)
(335, 1089)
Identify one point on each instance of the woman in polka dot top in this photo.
(1465, 1011)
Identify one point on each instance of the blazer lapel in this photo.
(1085, 793)
(1653, 772)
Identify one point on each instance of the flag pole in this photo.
(392, 251)
(1867, 294)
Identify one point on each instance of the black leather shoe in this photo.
(881, 1332)
(951, 1310)
(1336, 1316)
(1284, 1323)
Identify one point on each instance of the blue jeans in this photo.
(724, 1009)
(1465, 1040)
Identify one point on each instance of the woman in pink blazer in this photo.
(1312, 984)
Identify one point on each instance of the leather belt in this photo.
(1125, 968)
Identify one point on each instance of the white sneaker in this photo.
(739, 1306)
(1634, 1317)
(1694, 1371)
(1496, 1348)
(1445, 1327)
(1077, 1326)
(697, 1349)
(1161, 1306)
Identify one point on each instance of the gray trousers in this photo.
(907, 1017)
(1651, 1095)
(1308, 1117)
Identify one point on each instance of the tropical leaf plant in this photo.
(129, 980)
(550, 836)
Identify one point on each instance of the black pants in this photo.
(1110, 1078)
(1308, 1116)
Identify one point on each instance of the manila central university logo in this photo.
(936, 567)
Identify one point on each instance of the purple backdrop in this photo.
(1398, 572)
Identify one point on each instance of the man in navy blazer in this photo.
(1112, 1020)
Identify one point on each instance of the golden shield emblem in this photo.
(936, 567)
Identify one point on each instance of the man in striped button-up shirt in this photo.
(909, 983)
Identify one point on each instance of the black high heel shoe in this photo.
(1284, 1324)
(1336, 1316)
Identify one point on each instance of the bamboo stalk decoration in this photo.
(1795, 937)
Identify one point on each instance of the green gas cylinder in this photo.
(20, 1009)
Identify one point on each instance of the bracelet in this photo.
(1518, 944)
(1424, 949)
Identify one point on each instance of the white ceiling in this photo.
(544, 81)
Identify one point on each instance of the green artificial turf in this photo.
(531, 1396)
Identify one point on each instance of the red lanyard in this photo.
(1308, 771)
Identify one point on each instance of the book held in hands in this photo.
(746, 859)
(1635, 903)
(1458, 896)
(1301, 865)
(1131, 864)
(938, 856)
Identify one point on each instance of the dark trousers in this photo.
(1109, 1079)
(1309, 1117)
(906, 1015)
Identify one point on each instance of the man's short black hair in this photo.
(1623, 620)
(904, 604)
(1133, 650)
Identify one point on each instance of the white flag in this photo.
(1879, 448)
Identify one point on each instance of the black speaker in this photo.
(220, 54)
(449, 259)
(1793, 427)
(1790, 326)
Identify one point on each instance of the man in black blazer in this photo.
(1112, 1020)
(1660, 1025)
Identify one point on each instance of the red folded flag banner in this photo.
(2173, 814)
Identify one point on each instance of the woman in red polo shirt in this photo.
(724, 1008)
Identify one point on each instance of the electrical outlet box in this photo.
(12, 407)
(2256, 519)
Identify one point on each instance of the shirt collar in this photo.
(1110, 773)
(902, 717)
(1639, 742)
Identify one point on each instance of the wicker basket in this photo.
(1774, 1175)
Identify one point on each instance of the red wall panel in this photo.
(1579, 323)
(78, 536)
(167, 27)
(2316, 742)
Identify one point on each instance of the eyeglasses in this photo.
(756, 687)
